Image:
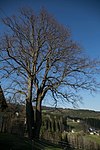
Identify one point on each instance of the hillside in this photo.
(79, 113)
(70, 126)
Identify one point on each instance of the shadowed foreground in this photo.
(12, 142)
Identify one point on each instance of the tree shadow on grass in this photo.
(14, 142)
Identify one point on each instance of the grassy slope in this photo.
(93, 138)
(78, 127)
(12, 142)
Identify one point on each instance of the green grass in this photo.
(13, 142)
(93, 138)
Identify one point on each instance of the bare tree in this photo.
(38, 56)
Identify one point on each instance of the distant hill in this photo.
(79, 113)
(76, 119)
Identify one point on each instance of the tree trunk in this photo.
(29, 110)
(30, 119)
(38, 122)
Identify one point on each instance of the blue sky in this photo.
(83, 18)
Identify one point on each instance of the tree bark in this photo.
(30, 119)
(38, 122)
(29, 110)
